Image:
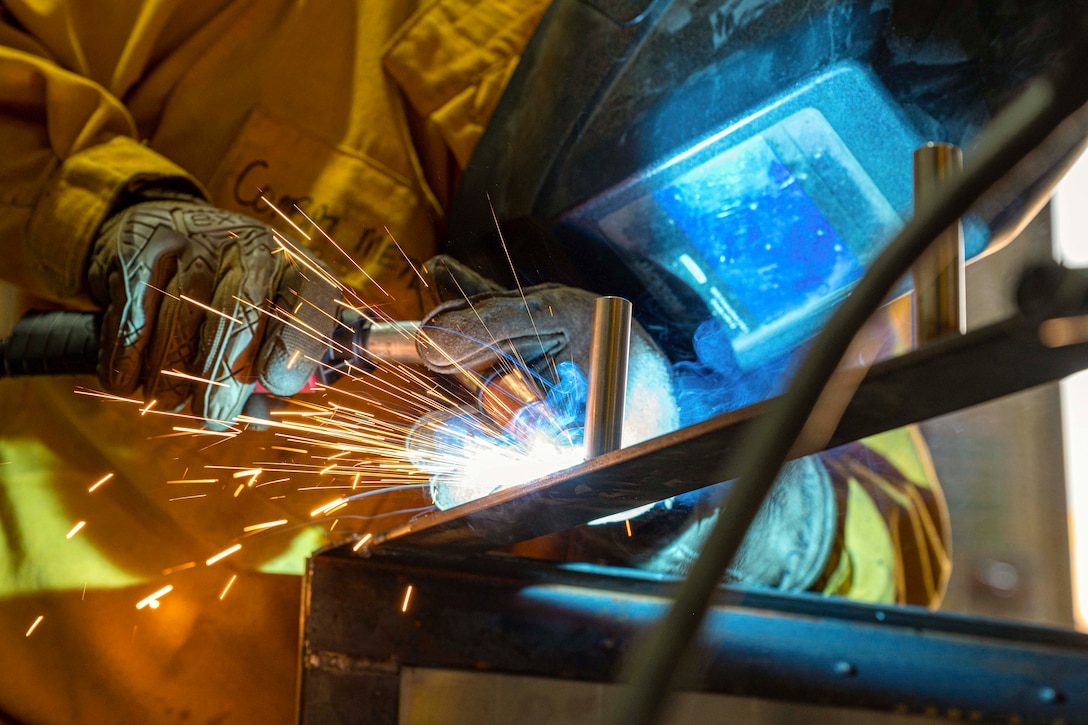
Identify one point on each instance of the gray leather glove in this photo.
(480, 326)
(789, 542)
(150, 256)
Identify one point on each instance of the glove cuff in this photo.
(82, 193)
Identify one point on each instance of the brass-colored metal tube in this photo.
(394, 342)
(939, 299)
(607, 375)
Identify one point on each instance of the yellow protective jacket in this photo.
(360, 115)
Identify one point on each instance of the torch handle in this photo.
(66, 343)
(52, 343)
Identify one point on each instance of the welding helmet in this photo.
(732, 167)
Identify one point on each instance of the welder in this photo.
(143, 157)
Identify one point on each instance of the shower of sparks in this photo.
(227, 587)
(223, 554)
(266, 525)
(152, 600)
(388, 426)
(94, 486)
(35, 625)
(75, 529)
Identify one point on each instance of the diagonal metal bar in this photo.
(945, 376)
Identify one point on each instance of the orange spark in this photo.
(628, 522)
(227, 587)
(407, 596)
(75, 529)
(361, 542)
(241, 487)
(327, 507)
(201, 431)
(223, 554)
(252, 473)
(294, 359)
(99, 482)
(187, 376)
(179, 567)
(222, 314)
(185, 498)
(107, 396)
(269, 483)
(152, 600)
(266, 525)
(149, 406)
(35, 625)
(194, 480)
(406, 258)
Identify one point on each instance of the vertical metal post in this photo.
(607, 375)
(940, 306)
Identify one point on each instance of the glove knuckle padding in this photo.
(288, 350)
(481, 331)
(134, 257)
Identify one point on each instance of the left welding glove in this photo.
(478, 325)
(202, 303)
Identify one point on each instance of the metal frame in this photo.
(497, 613)
(474, 611)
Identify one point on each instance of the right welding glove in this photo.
(479, 326)
(201, 304)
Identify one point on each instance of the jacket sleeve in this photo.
(68, 152)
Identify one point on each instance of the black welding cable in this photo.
(1009, 138)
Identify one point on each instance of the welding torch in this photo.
(65, 342)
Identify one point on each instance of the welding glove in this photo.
(788, 544)
(188, 288)
(478, 325)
